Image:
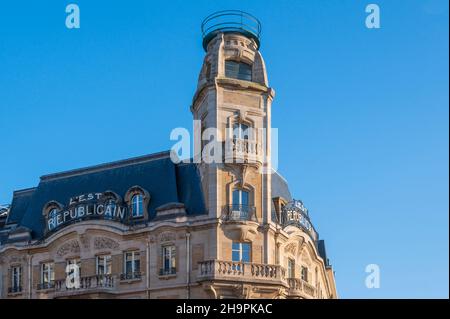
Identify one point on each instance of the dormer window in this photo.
(238, 70)
(137, 205)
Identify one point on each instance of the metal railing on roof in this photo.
(228, 21)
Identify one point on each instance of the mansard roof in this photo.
(165, 181)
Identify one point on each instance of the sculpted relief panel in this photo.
(72, 247)
(105, 243)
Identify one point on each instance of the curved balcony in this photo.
(300, 288)
(88, 284)
(240, 213)
(230, 21)
(240, 222)
(242, 151)
(240, 271)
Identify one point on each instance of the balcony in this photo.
(240, 271)
(242, 151)
(88, 284)
(240, 213)
(168, 272)
(300, 288)
(240, 222)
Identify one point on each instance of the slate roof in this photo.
(165, 181)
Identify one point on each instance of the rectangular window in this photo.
(47, 275)
(238, 70)
(104, 265)
(168, 260)
(132, 264)
(291, 268)
(16, 279)
(241, 252)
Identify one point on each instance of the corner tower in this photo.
(232, 106)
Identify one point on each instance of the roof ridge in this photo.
(105, 166)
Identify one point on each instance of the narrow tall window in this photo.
(132, 264)
(137, 205)
(238, 70)
(304, 274)
(104, 265)
(168, 260)
(16, 279)
(47, 275)
(291, 268)
(240, 209)
(241, 252)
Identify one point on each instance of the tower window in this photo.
(238, 70)
(240, 252)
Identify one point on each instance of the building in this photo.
(149, 227)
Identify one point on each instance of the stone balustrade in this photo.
(218, 269)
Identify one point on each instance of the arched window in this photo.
(238, 70)
(137, 205)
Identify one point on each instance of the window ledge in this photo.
(130, 281)
(167, 277)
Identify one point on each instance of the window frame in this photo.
(240, 251)
(135, 258)
(106, 258)
(171, 269)
(16, 281)
(238, 70)
(50, 271)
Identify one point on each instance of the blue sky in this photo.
(362, 114)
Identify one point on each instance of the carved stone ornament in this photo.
(69, 247)
(167, 236)
(105, 243)
(291, 248)
(85, 241)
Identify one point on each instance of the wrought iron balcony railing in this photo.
(46, 285)
(240, 213)
(167, 271)
(131, 275)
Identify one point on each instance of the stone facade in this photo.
(285, 260)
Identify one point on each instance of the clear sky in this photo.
(362, 114)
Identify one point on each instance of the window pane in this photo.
(236, 195)
(235, 246)
(244, 199)
(235, 255)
